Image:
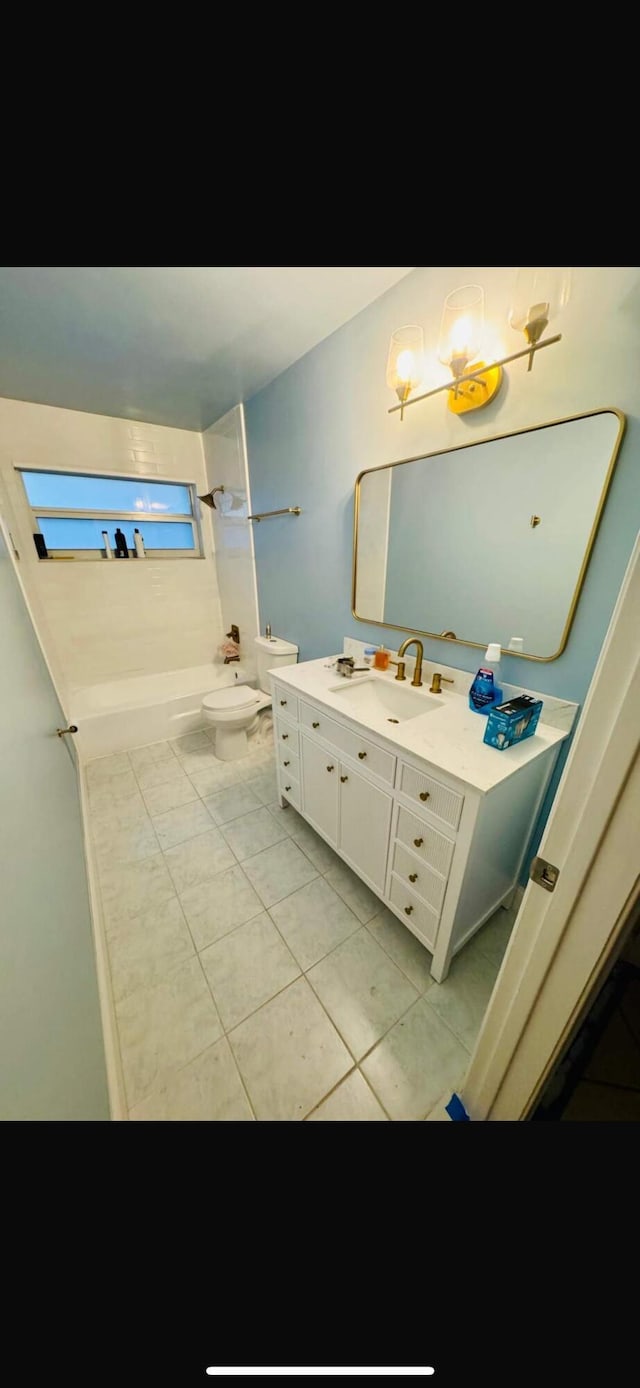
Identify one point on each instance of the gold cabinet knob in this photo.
(424, 794)
(315, 725)
(284, 737)
(285, 763)
(413, 877)
(362, 755)
(283, 703)
(418, 842)
(408, 910)
(287, 787)
(344, 778)
(331, 768)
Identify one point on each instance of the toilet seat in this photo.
(238, 696)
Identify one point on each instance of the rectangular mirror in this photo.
(489, 541)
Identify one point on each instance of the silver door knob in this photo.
(62, 732)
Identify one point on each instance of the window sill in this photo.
(95, 559)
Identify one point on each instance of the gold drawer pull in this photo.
(283, 703)
(315, 725)
(362, 755)
(344, 778)
(408, 910)
(413, 877)
(287, 787)
(424, 794)
(418, 842)
(285, 763)
(284, 737)
(331, 768)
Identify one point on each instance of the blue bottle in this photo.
(485, 691)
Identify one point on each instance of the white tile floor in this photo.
(254, 975)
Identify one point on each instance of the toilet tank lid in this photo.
(275, 645)
(236, 696)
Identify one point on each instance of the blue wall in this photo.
(321, 422)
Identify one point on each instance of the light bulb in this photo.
(405, 360)
(462, 327)
(405, 367)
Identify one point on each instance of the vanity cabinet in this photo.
(351, 813)
(441, 854)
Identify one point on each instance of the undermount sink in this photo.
(384, 701)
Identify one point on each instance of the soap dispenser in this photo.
(485, 692)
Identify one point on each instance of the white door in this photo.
(365, 816)
(564, 936)
(320, 771)
(52, 1063)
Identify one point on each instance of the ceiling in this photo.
(176, 344)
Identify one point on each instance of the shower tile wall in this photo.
(226, 465)
(100, 622)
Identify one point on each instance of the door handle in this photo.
(62, 732)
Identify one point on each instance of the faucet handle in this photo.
(401, 669)
(436, 680)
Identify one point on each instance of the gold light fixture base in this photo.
(472, 395)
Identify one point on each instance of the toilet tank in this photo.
(271, 653)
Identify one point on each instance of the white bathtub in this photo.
(150, 708)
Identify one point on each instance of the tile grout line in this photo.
(319, 875)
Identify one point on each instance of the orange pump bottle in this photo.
(381, 659)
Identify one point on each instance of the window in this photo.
(71, 509)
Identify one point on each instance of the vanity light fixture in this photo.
(538, 296)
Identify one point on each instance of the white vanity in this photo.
(398, 781)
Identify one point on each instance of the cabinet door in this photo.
(321, 782)
(365, 817)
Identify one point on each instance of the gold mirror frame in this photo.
(476, 443)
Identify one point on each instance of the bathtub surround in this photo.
(225, 456)
(254, 975)
(110, 622)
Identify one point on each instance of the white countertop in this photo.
(449, 737)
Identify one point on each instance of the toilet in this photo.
(234, 711)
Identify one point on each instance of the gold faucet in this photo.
(436, 686)
(417, 674)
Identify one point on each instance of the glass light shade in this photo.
(405, 363)
(462, 327)
(539, 293)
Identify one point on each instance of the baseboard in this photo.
(115, 1077)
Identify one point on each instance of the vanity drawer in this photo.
(424, 921)
(439, 800)
(370, 757)
(419, 878)
(285, 736)
(284, 704)
(433, 848)
(288, 761)
(318, 723)
(290, 788)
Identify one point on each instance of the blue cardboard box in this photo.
(513, 721)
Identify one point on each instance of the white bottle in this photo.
(492, 662)
(139, 544)
(108, 552)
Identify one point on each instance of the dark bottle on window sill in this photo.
(121, 545)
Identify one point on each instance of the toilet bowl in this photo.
(235, 712)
